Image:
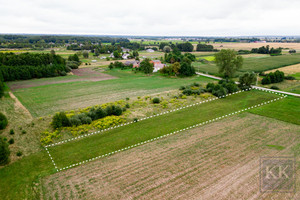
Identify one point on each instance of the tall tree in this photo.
(246, 80)
(146, 66)
(228, 62)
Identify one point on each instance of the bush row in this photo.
(275, 77)
(61, 120)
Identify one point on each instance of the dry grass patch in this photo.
(292, 69)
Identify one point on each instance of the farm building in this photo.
(150, 50)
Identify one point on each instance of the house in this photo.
(125, 56)
(158, 67)
(155, 62)
(124, 50)
(111, 55)
(103, 57)
(134, 63)
(150, 50)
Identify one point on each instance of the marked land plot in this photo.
(217, 161)
(89, 148)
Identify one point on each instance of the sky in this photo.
(151, 17)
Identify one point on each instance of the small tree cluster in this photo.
(205, 47)
(222, 88)
(267, 50)
(61, 120)
(119, 65)
(275, 77)
(246, 80)
(146, 66)
(193, 89)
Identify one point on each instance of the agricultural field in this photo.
(256, 64)
(215, 161)
(208, 150)
(47, 99)
(249, 46)
(143, 130)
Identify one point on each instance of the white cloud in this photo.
(156, 17)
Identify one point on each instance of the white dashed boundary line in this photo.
(125, 124)
(51, 159)
(163, 136)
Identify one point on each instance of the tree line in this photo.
(28, 65)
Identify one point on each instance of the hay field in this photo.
(249, 46)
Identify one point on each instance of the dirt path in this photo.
(19, 105)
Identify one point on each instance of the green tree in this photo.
(246, 80)
(85, 54)
(4, 152)
(167, 49)
(3, 121)
(186, 69)
(228, 62)
(146, 66)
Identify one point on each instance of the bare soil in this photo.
(216, 161)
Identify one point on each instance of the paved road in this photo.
(257, 87)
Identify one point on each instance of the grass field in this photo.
(256, 64)
(48, 99)
(21, 179)
(215, 161)
(74, 152)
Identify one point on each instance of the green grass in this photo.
(256, 64)
(296, 75)
(277, 147)
(122, 137)
(48, 99)
(287, 110)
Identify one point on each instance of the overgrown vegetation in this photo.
(4, 152)
(3, 121)
(276, 77)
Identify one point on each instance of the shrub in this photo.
(196, 84)
(135, 120)
(156, 100)
(127, 105)
(182, 87)
(11, 141)
(4, 152)
(274, 87)
(63, 73)
(75, 121)
(24, 132)
(219, 91)
(187, 92)
(210, 87)
(60, 120)
(11, 131)
(127, 98)
(3, 121)
(19, 153)
(289, 78)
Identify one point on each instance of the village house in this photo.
(150, 50)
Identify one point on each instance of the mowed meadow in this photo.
(47, 99)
